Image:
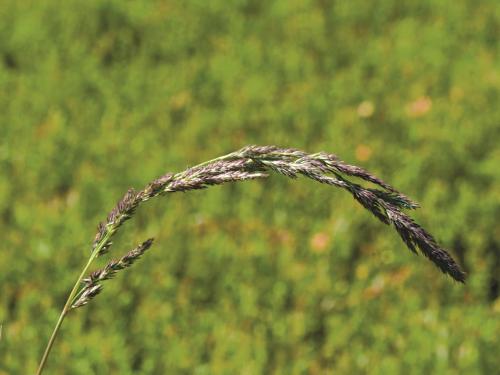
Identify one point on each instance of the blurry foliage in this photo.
(262, 277)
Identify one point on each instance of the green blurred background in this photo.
(262, 277)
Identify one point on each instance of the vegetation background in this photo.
(263, 277)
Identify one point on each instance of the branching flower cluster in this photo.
(385, 202)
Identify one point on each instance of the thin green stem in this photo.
(223, 157)
(69, 302)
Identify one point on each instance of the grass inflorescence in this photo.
(253, 162)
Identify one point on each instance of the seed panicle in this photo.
(252, 162)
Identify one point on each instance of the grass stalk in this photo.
(251, 162)
(67, 308)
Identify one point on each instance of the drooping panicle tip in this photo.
(461, 277)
